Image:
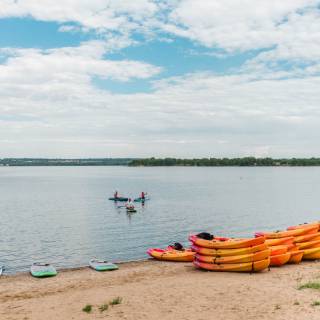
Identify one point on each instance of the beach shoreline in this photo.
(152, 289)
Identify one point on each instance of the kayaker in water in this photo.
(143, 196)
(115, 195)
(129, 204)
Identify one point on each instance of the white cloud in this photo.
(103, 15)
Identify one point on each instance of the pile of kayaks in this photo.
(266, 249)
(241, 255)
(297, 243)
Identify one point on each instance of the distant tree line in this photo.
(65, 162)
(225, 162)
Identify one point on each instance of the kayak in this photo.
(141, 200)
(227, 244)
(305, 225)
(308, 244)
(280, 241)
(172, 255)
(251, 257)
(307, 237)
(41, 270)
(119, 199)
(296, 256)
(288, 233)
(280, 259)
(234, 267)
(228, 252)
(100, 265)
(276, 250)
(311, 254)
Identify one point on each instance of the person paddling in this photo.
(115, 195)
(129, 204)
(143, 196)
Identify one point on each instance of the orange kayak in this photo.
(227, 244)
(280, 259)
(172, 255)
(296, 256)
(305, 225)
(280, 241)
(234, 267)
(228, 252)
(276, 250)
(251, 257)
(307, 237)
(311, 254)
(308, 244)
(288, 233)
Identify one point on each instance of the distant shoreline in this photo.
(162, 162)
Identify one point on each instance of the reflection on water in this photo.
(62, 215)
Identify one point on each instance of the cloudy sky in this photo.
(138, 78)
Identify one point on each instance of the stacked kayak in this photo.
(224, 254)
(284, 248)
(169, 254)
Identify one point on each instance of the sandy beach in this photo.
(161, 290)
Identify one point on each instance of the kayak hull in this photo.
(296, 257)
(234, 267)
(311, 254)
(172, 255)
(280, 259)
(308, 244)
(276, 250)
(251, 257)
(227, 244)
(288, 233)
(280, 241)
(228, 252)
(308, 237)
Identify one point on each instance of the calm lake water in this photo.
(62, 214)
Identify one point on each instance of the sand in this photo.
(161, 290)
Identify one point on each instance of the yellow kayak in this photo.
(311, 254)
(280, 241)
(308, 244)
(305, 225)
(228, 252)
(251, 257)
(172, 255)
(307, 237)
(288, 233)
(234, 267)
(227, 244)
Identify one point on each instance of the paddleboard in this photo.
(119, 199)
(100, 265)
(41, 270)
(141, 200)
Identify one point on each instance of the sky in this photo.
(163, 78)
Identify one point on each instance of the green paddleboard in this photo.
(42, 270)
(100, 265)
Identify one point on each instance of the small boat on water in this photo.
(42, 270)
(100, 265)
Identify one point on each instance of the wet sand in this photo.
(161, 290)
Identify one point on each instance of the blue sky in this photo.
(179, 78)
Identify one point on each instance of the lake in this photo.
(62, 215)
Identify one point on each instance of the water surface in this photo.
(62, 215)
